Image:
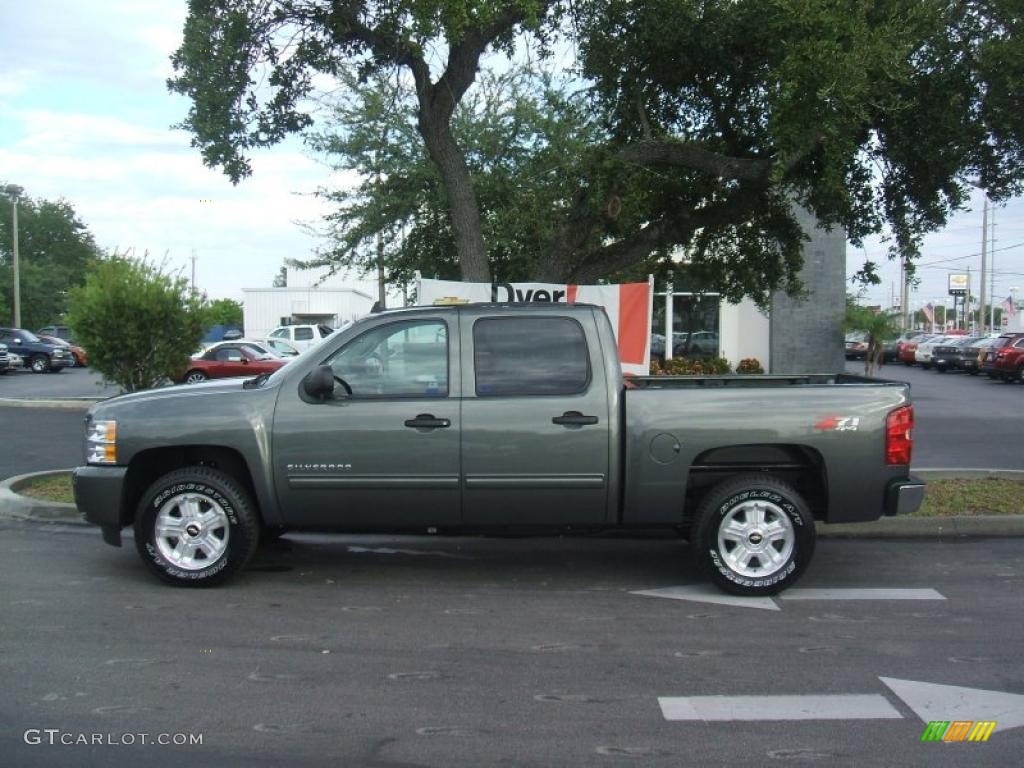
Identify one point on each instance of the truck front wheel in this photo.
(754, 535)
(196, 526)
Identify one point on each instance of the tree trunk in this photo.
(462, 202)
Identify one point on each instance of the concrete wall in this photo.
(806, 336)
(743, 332)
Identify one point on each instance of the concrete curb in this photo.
(72, 403)
(15, 506)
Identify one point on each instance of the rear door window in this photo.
(530, 356)
(303, 334)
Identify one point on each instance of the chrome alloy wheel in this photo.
(191, 531)
(756, 538)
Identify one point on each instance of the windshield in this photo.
(28, 336)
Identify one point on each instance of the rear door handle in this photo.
(427, 421)
(574, 419)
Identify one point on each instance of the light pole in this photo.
(17, 264)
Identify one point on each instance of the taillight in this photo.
(898, 440)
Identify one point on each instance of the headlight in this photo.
(101, 443)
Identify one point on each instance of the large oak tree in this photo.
(705, 120)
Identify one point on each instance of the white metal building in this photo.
(312, 297)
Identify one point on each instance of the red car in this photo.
(76, 352)
(907, 347)
(1008, 364)
(227, 360)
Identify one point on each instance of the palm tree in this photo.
(877, 326)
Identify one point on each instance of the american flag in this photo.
(1008, 306)
(929, 312)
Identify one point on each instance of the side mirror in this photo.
(319, 383)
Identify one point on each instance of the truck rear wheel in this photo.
(754, 535)
(196, 526)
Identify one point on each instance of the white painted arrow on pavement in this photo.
(931, 701)
(859, 593)
(825, 707)
(705, 593)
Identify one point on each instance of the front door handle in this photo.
(574, 419)
(427, 421)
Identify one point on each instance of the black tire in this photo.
(780, 504)
(235, 541)
(194, 377)
(39, 364)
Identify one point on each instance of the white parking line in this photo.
(814, 707)
(811, 593)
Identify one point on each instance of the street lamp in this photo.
(984, 254)
(13, 191)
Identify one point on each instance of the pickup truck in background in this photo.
(37, 355)
(490, 417)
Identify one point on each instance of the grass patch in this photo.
(49, 488)
(984, 496)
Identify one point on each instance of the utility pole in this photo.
(992, 278)
(194, 257)
(17, 266)
(381, 293)
(984, 260)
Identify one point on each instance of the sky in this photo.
(85, 115)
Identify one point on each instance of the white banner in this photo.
(628, 305)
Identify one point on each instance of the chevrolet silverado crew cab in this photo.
(488, 417)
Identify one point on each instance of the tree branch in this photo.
(663, 233)
(675, 154)
(658, 152)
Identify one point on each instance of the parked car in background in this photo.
(947, 355)
(14, 361)
(1009, 361)
(856, 345)
(972, 353)
(38, 355)
(301, 337)
(78, 356)
(229, 359)
(657, 345)
(925, 347)
(259, 345)
(696, 344)
(5, 359)
(902, 341)
(59, 331)
(286, 348)
(988, 362)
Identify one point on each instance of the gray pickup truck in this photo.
(490, 417)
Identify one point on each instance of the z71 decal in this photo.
(838, 424)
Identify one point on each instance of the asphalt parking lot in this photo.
(371, 651)
(402, 652)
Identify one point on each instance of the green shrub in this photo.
(749, 365)
(139, 324)
(685, 366)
